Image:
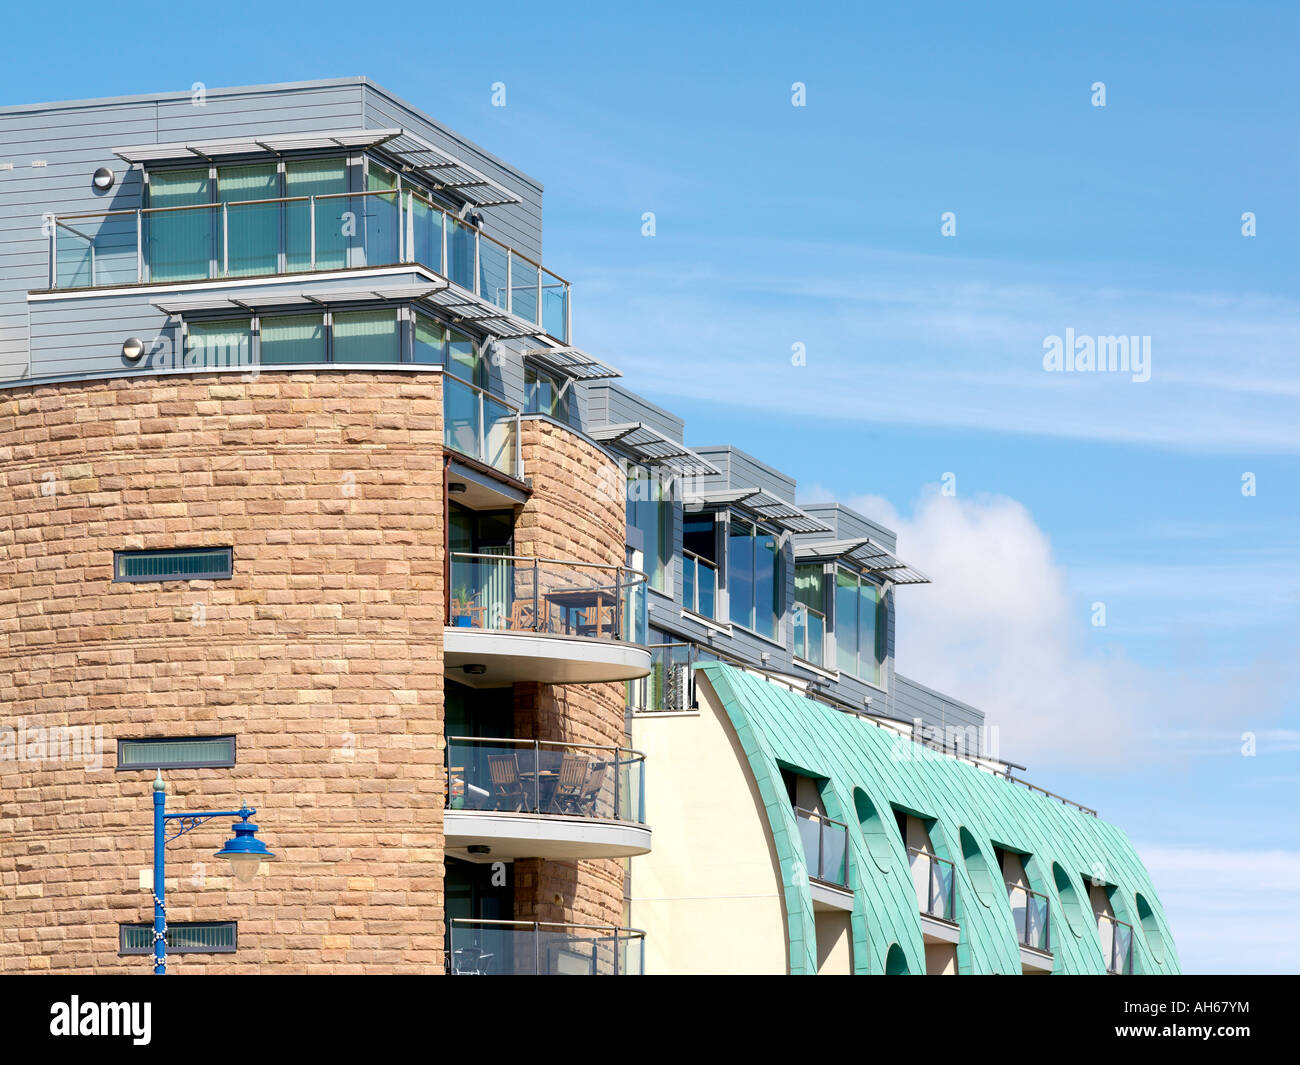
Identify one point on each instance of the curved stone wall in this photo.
(322, 656)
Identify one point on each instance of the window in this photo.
(545, 395)
(650, 512)
(219, 344)
(810, 613)
(187, 564)
(700, 564)
(859, 626)
(201, 752)
(752, 578)
(293, 338)
(366, 336)
(323, 178)
(437, 344)
(182, 937)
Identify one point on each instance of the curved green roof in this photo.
(778, 728)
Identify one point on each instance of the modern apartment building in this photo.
(314, 502)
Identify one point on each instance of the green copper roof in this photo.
(866, 767)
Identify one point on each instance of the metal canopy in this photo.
(276, 144)
(864, 553)
(411, 152)
(647, 444)
(762, 505)
(324, 297)
(571, 362)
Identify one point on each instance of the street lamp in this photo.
(245, 851)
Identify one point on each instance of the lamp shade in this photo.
(245, 851)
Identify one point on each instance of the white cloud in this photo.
(998, 628)
(1230, 911)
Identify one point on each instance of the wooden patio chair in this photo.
(569, 782)
(591, 790)
(507, 788)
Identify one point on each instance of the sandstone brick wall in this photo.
(577, 511)
(323, 656)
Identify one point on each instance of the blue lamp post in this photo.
(245, 851)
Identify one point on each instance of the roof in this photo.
(760, 504)
(645, 443)
(411, 152)
(869, 771)
(864, 553)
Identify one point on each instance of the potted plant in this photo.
(464, 597)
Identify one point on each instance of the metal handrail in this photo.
(694, 607)
(931, 883)
(610, 932)
(639, 755)
(552, 562)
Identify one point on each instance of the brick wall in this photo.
(576, 512)
(323, 655)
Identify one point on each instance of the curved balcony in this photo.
(513, 619)
(510, 798)
(541, 948)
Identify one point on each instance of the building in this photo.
(313, 501)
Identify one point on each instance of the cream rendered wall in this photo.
(834, 943)
(708, 895)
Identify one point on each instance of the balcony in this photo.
(303, 234)
(1116, 944)
(670, 687)
(533, 948)
(1031, 914)
(481, 426)
(809, 635)
(826, 854)
(511, 798)
(699, 585)
(513, 619)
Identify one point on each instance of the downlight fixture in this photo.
(475, 669)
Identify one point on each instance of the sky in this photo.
(859, 284)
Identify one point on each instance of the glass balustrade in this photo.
(296, 234)
(525, 948)
(699, 584)
(1116, 944)
(478, 424)
(825, 846)
(809, 634)
(510, 593)
(935, 884)
(1029, 911)
(545, 779)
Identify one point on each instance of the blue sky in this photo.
(820, 225)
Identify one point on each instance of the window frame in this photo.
(880, 627)
(160, 740)
(145, 951)
(757, 529)
(120, 553)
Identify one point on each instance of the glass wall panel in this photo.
(523, 289)
(463, 359)
(381, 216)
(649, 511)
(219, 344)
(179, 244)
(740, 573)
(430, 340)
(366, 336)
(316, 177)
(846, 622)
(460, 253)
(249, 238)
(426, 233)
(766, 583)
(295, 338)
(492, 272)
(545, 395)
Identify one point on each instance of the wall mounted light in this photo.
(132, 348)
(103, 179)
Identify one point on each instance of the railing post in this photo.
(537, 776)
(54, 252)
(311, 209)
(540, 314)
(537, 961)
(442, 260)
(477, 286)
(225, 239)
(618, 773)
(139, 245)
(509, 283)
(537, 605)
(568, 312)
(618, 604)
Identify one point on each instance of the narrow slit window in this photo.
(199, 752)
(183, 937)
(186, 564)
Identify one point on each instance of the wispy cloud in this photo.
(896, 338)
